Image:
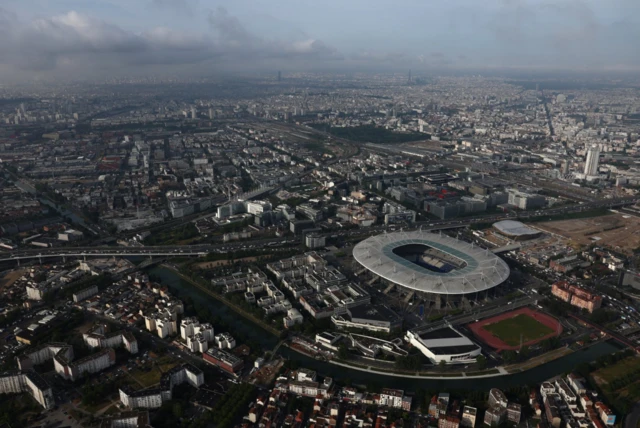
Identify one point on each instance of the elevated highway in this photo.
(203, 250)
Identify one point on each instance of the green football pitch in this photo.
(509, 330)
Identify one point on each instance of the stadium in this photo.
(444, 344)
(438, 268)
(516, 230)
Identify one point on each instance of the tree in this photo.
(481, 361)
(509, 356)
(177, 410)
(524, 352)
(343, 352)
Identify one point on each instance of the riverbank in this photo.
(407, 381)
(226, 302)
(478, 374)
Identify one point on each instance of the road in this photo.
(201, 250)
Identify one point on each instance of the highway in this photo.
(203, 250)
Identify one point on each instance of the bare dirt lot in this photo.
(618, 231)
(11, 277)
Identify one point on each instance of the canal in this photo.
(268, 341)
(26, 187)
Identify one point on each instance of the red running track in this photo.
(478, 328)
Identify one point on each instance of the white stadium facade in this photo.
(439, 269)
(444, 344)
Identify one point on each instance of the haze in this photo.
(87, 39)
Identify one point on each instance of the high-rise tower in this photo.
(593, 158)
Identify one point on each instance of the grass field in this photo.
(152, 377)
(509, 330)
(618, 370)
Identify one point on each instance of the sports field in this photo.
(509, 330)
(503, 331)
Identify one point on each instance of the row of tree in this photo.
(228, 409)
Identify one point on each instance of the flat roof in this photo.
(445, 341)
(483, 270)
(453, 350)
(443, 333)
(373, 312)
(515, 228)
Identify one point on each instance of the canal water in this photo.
(25, 187)
(268, 341)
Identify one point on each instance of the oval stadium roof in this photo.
(481, 269)
(514, 228)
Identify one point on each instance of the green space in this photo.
(317, 146)
(616, 377)
(620, 370)
(370, 134)
(147, 377)
(226, 411)
(173, 236)
(510, 330)
(18, 410)
(150, 373)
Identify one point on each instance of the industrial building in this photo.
(85, 293)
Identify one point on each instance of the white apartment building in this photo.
(225, 341)
(391, 398)
(30, 382)
(153, 398)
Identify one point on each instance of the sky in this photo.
(87, 39)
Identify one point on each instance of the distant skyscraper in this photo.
(279, 76)
(211, 114)
(409, 80)
(193, 112)
(537, 87)
(593, 157)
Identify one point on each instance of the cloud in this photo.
(563, 33)
(234, 39)
(378, 57)
(181, 6)
(78, 41)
